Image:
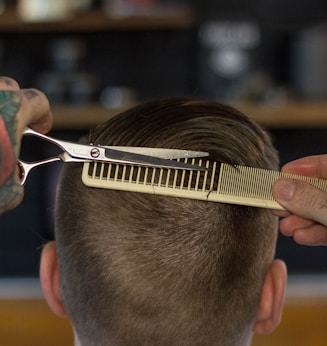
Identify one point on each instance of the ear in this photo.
(272, 298)
(49, 276)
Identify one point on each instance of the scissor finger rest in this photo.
(26, 167)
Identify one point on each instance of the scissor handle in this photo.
(59, 143)
(26, 167)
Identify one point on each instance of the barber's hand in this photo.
(18, 108)
(306, 219)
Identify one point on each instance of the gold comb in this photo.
(220, 182)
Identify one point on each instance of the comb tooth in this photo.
(220, 178)
(146, 175)
(247, 186)
(311, 180)
(123, 176)
(101, 171)
(250, 186)
(322, 184)
(153, 176)
(131, 174)
(266, 190)
(223, 171)
(179, 176)
(262, 186)
(262, 180)
(160, 177)
(213, 175)
(190, 177)
(254, 185)
(94, 169)
(268, 186)
(235, 178)
(116, 172)
(168, 177)
(198, 177)
(205, 176)
(138, 174)
(263, 177)
(183, 176)
(175, 178)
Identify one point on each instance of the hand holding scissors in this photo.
(18, 108)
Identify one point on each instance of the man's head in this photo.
(139, 269)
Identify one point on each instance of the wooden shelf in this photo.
(291, 115)
(96, 20)
(82, 116)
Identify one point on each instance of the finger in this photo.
(314, 235)
(7, 83)
(11, 192)
(10, 196)
(289, 225)
(301, 199)
(313, 166)
(34, 111)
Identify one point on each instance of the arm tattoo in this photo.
(9, 106)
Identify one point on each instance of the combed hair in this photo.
(139, 269)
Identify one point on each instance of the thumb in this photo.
(302, 199)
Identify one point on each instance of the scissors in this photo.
(142, 156)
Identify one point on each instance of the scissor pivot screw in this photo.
(95, 152)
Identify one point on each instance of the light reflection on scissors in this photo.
(141, 156)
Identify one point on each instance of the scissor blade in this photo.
(161, 153)
(75, 152)
(118, 156)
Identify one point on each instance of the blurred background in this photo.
(94, 58)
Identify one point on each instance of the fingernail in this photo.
(284, 190)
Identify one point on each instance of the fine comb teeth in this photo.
(220, 182)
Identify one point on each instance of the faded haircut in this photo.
(138, 269)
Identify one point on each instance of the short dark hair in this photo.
(138, 269)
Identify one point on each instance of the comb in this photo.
(220, 182)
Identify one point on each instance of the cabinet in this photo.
(149, 38)
(168, 37)
(149, 55)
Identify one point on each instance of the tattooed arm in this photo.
(18, 108)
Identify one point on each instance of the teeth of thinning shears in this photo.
(162, 153)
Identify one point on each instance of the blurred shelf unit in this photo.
(97, 20)
(290, 115)
(296, 115)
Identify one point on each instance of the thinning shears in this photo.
(142, 156)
